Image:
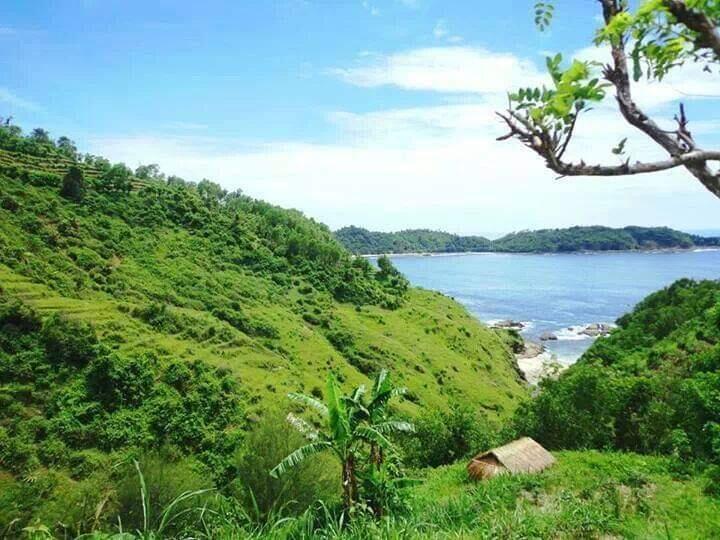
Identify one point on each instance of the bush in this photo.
(712, 481)
(266, 444)
(165, 478)
(68, 342)
(73, 187)
(442, 437)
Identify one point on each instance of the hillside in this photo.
(139, 311)
(651, 386)
(363, 242)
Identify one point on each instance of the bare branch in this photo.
(524, 132)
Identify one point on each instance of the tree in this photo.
(210, 192)
(350, 428)
(41, 136)
(149, 172)
(73, 186)
(67, 147)
(659, 36)
(117, 178)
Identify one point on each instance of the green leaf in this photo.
(337, 414)
(310, 401)
(298, 456)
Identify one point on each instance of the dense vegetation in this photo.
(651, 386)
(144, 316)
(364, 242)
(155, 335)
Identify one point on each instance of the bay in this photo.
(556, 293)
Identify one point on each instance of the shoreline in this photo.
(696, 249)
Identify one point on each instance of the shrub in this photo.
(73, 187)
(442, 437)
(712, 481)
(266, 444)
(68, 342)
(164, 477)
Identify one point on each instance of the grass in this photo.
(585, 495)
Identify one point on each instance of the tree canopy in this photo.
(646, 43)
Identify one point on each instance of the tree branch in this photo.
(698, 22)
(617, 74)
(522, 130)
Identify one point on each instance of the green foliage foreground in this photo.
(585, 495)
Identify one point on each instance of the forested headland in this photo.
(573, 239)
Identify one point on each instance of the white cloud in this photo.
(442, 32)
(6, 96)
(444, 69)
(7, 31)
(437, 166)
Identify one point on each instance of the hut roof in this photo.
(522, 456)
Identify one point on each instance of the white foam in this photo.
(573, 333)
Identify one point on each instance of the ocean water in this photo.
(557, 292)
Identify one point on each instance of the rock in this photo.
(596, 330)
(531, 350)
(509, 325)
(548, 336)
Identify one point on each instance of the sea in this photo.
(556, 293)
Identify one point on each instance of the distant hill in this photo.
(363, 242)
(595, 238)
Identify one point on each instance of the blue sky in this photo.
(377, 113)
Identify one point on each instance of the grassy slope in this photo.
(585, 495)
(433, 345)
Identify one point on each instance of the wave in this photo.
(577, 332)
(573, 333)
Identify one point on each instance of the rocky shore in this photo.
(537, 363)
(534, 361)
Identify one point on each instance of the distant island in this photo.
(573, 239)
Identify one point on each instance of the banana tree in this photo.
(350, 427)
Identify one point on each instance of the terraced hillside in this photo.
(191, 272)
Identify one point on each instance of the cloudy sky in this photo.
(378, 113)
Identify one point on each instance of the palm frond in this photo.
(371, 435)
(302, 426)
(381, 382)
(337, 414)
(294, 458)
(358, 394)
(381, 399)
(394, 426)
(309, 401)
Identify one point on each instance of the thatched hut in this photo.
(521, 456)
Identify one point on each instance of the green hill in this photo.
(139, 311)
(596, 238)
(363, 242)
(652, 386)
